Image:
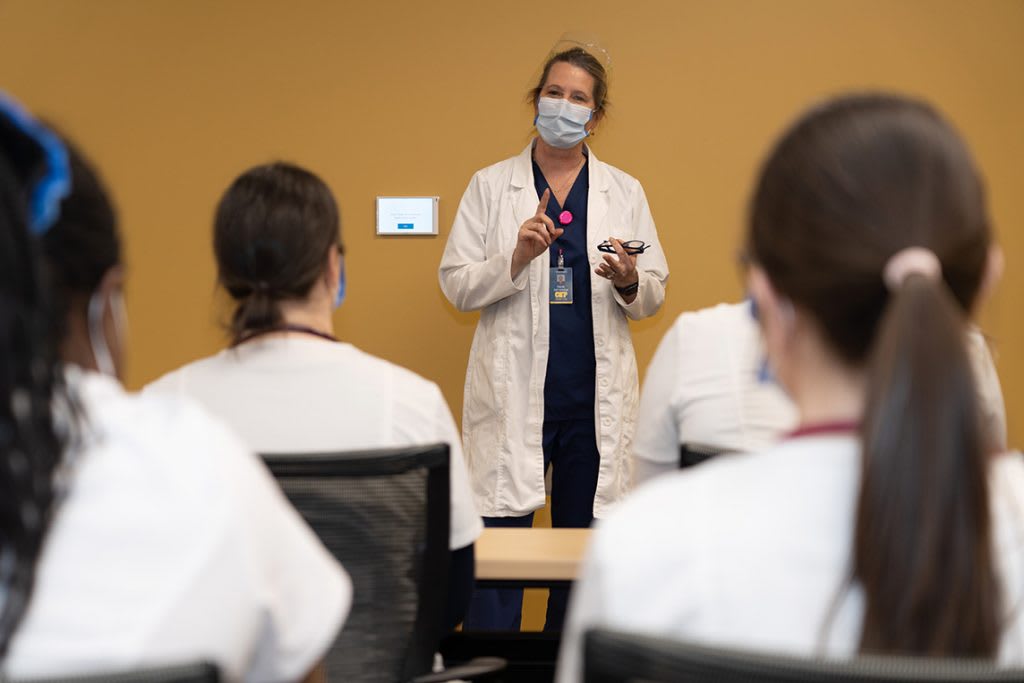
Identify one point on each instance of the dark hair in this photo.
(31, 446)
(83, 243)
(849, 185)
(272, 233)
(579, 57)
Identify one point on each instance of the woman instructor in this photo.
(552, 378)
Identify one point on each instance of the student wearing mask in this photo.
(137, 530)
(552, 378)
(286, 384)
(887, 522)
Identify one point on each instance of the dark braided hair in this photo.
(31, 445)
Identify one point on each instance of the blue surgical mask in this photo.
(764, 373)
(339, 295)
(561, 123)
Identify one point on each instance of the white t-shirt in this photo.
(298, 393)
(174, 544)
(750, 551)
(702, 387)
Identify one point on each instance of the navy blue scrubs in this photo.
(569, 438)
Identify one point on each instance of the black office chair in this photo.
(691, 454)
(199, 672)
(385, 515)
(617, 657)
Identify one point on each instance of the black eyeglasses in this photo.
(631, 247)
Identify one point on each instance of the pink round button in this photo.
(565, 218)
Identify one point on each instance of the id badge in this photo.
(561, 286)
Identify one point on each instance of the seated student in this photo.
(887, 522)
(707, 385)
(138, 531)
(286, 385)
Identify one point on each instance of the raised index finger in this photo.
(542, 208)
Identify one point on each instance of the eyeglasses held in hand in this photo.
(631, 247)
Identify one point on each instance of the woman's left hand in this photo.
(620, 269)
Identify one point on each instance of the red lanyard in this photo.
(287, 328)
(819, 428)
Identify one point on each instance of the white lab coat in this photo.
(503, 407)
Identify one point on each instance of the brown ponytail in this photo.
(922, 545)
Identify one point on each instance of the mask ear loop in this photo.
(100, 350)
(339, 295)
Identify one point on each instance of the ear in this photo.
(994, 266)
(770, 305)
(595, 119)
(111, 289)
(775, 312)
(112, 281)
(333, 270)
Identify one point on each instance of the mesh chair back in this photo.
(199, 672)
(616, 657)
(691, 454)
(384, 514)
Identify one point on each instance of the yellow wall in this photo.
(174, 97)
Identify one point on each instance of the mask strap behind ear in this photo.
(97, 340)
(49, 190)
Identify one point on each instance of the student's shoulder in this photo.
(695, 334)
(726, 482)
(403, 380)
(160, 437)
(723, 317)
(156, 417)
(176, 381)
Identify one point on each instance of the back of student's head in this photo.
(850, 186)
(273, 232)
(30, 442)
(83, 245)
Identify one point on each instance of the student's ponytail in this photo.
(923, 541)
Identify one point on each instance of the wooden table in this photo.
(529, 557)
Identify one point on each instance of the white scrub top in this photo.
(749, 551)
(703, 387)
(174, 544)
(503, 408)
(299, 393)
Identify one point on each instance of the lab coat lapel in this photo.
(524, 195)
(597, 205)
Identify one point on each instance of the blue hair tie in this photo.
(46, 194)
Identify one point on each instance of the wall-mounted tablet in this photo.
(407, 215)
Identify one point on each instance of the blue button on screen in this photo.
(405, 226)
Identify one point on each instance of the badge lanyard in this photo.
(561, 282)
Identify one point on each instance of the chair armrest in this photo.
(474, 669)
